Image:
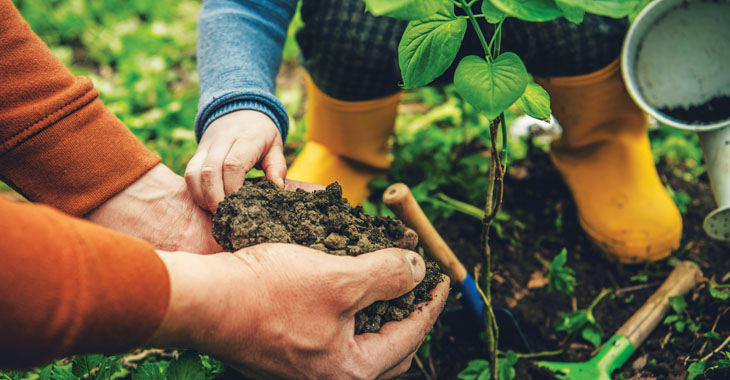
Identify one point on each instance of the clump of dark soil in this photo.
(714, 110)
(261, 213)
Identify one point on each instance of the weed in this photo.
(561, 277)
(681, 319)
(583, 322)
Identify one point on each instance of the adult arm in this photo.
(70, 286)
(59, 145)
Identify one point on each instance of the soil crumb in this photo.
(716, 109)
(259, 212)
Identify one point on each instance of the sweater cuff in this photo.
(268, 105)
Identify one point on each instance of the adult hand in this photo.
(158, 208)
(230, 147)
(286, 311)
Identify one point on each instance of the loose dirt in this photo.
(542, 204)
(260, 212)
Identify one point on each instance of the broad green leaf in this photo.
(62, 373)
(149, 371)
(429, 46)
(82, 365)
(45, 372)
(507, 366)
(475, 370)
(491, 13)
(678, 304)
(529, 10)
(186, 367)
(695, 369)
(572, 322)
(109, 367)
(592, 333)
(611, 8)
(571, 12)
(403, 9)
(719, 293)
(491, 87)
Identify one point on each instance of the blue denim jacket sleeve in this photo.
(239, 54)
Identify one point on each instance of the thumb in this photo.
(387, 274)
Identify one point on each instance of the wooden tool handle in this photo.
(683, 278)
(399, 199)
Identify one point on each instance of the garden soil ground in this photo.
(536, 196)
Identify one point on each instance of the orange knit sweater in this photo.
(66, 286)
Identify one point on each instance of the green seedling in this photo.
(561, 277)
(721, 292)
(681, 319)
(583, 322)
(703, 367)
(479, 369)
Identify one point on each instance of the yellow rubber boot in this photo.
(605, 158)
(347, 142)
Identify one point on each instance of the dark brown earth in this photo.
(716, 109)
(545, 222)
(260, 212)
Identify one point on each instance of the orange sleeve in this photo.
(58, 143)
(70, 286)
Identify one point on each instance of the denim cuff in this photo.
(273, 109)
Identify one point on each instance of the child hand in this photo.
(230, 147)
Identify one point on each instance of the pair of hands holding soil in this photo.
(271, 310)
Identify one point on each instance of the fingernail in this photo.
(418, 266)
(279, 182)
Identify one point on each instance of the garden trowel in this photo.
(399, 199)
(617, 350)
(675, 66)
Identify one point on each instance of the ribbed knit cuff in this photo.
(275, 112)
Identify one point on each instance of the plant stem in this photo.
(598, 299)
(505, 148)
(467, 9)
(496, 36)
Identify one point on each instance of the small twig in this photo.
(718, 349)
(423, 370)
(714, 326)
(634, 288)
(539, 354)
(432, 367)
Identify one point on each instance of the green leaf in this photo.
(149, 371)
(82, 365)
(429, 46)
(535, 102)
(712, 335)
(62, 373)
(529, 10)
(474, 370)
(678, 304)
(719, 293)
(610, 8)
(695, 369)
(507, 366)
(403, 9)
(109, 367)
(561, 277)
(186, 367)
(572, 322)
(592, 333)
(45, 372)
(571, 13)
(491, 13)
(491, 87)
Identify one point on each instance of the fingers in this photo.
(397, 340)
(274, 165)
(237, 162)
(387, 274)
